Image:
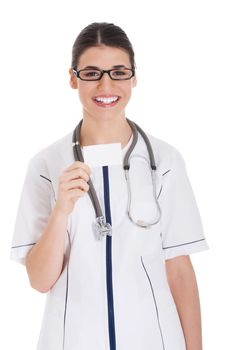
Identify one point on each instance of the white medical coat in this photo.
(112, 294)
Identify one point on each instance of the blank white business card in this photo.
(103, 155)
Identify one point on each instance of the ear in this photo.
(73, 79)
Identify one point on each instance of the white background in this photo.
(184, 55)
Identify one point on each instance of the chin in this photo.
(106, 114)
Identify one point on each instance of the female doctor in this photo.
(134, 287)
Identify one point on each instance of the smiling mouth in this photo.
(107, 101)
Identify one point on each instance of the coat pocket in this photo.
(153, 294)
(166, 315)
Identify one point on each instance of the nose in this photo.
(105, 80)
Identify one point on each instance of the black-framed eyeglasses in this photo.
(88, 74)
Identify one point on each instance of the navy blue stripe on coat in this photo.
(110, 301)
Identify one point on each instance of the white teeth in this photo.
(106, 100)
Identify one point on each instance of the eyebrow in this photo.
(115, 67)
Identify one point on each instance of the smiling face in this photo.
(103, 98)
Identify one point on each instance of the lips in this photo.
(106, 100)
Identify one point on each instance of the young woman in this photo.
(127, 281)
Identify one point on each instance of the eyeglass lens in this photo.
(116, 74)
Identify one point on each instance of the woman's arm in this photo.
(44, 261)
(183, 285)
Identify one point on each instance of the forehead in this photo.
(104, 57)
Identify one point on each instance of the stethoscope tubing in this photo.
(100, 226)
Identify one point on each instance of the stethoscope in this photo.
(100, 226)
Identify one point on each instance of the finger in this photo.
(76, 184)
(76, 193)
(79, 164)
(75, 174)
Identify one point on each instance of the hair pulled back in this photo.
(98, 34)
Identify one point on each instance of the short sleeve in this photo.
(33, 211)
(182, 230)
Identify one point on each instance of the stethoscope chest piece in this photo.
(101, 228)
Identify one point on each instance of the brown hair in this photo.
(102, 33)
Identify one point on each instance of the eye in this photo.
(90, 74)
(119, 72)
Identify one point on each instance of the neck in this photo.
(94, 132)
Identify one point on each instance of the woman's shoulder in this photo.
(165, 153)
(57, 152)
